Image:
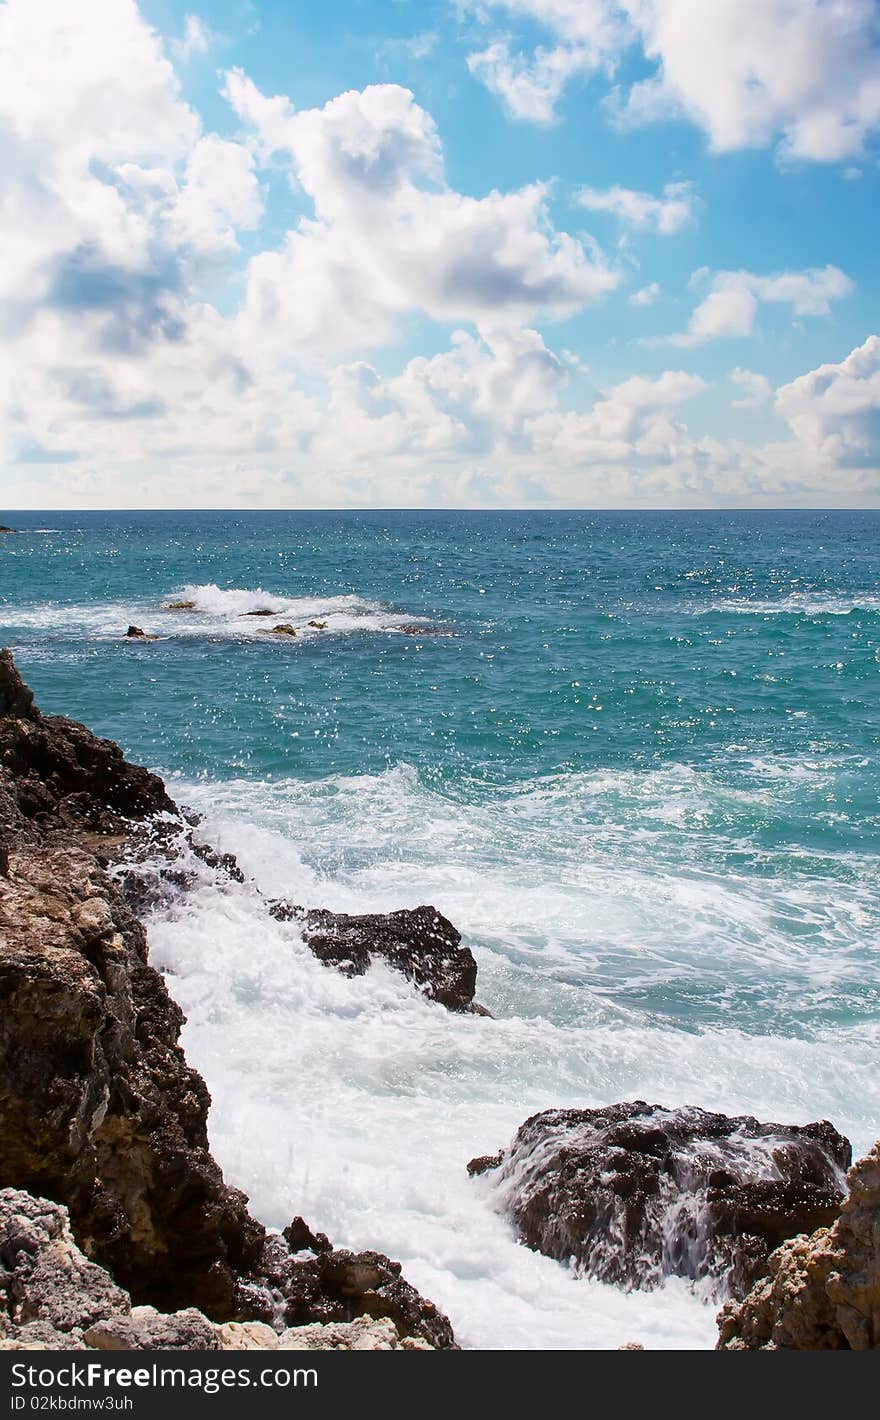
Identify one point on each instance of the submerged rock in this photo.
(284, 629)
(821, 1293)
(417, 941)
(136, 633)
(634, 1193)
(411, 629)
(318, 625)
(263, 611)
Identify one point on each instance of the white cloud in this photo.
(757, 389)
(834, 411)
(646, 295)
(749, 73)
(729, 310)
(666, 215)
(196, 39)
(389, 236)
(120, 382)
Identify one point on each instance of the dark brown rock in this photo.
(338, 1285)
(418, 941)
(635, 1192)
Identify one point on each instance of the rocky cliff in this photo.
(99, 1110)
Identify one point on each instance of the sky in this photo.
(439, 253)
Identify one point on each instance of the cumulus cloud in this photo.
(834, 411)
(756, 389)
(666, 215)
(121, 381)
(390, 236)
(729, 310)
(646, 295)
(749, 73)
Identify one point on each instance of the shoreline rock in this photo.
(634, 1193)
(821, 1293)
(51, 1295)
(99, 1110)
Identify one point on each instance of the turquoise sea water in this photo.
(638, 768)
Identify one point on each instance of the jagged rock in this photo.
(44, 1278)
(319, 625)
(145, 1329)
(822, 1293)
(340, 1285)
(98, 1107)
(284, 629)
(4, 529)
(136, 633)
(634, 1192)
(418, 941)
(97, 1103)
(179, 606)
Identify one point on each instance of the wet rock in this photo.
(136, 633)
(340, 1285)
(418, 941)
(283, 629)
(263, 611)
(484, 1163)
(635, 1193)
(299, 1237)
(822, 1292)
(319, 625)
(179, 606)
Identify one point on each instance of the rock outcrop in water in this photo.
(635, 1193)
(99, 1110)
(51, 1295)
(418, 941)
(821, 1293)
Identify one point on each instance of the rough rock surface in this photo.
(418, 942)
(51, 1296)
(635, 1192)
(98, 1107)
(822, 1293)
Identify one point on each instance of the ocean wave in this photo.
(796, 604)
(207, 610)
(364, 1101)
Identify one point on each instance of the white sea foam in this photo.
(358, 1104)
(796, 604)
(217, 613)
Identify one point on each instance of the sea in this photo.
(632, 756)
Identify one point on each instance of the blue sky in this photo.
(569, 252)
